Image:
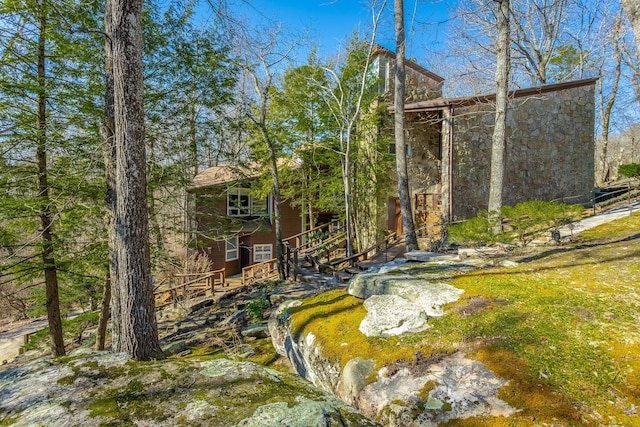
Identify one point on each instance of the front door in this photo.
(394, 222)
(245, 255)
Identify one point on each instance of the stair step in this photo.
(343, 276)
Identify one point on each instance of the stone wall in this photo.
(418, 86)
(549, 152)
(424, 163)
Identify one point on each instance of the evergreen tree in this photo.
(47, 110)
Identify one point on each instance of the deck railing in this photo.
(183, 286)
(260, 271)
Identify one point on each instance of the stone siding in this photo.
(549, 152)
(424, 163)
(418, 86)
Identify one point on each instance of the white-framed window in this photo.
(232, 248)
(238, 202)
(262, 253)
(241, 203)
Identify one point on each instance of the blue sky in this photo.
(330, 22)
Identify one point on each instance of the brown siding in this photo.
(211, 220)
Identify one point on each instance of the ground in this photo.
(561, 326)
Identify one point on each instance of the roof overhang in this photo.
(445, 103)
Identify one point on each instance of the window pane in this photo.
(259, 207)
(232, 248)
(238, 202)
(262, 253)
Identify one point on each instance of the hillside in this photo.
(558, 332)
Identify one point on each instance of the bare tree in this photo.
(632, 9)
(270, 53)
(136, 331)
(606, 105)
(345, 106)
(502, 89)
(404, 195)
(552, 40)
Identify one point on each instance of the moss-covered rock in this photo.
(111, 389)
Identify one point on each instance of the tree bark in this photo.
(110, 297)
(499, 135)
(46, 216)
(632, 9)
(138, 334)
(411, 241)
(101, 333)
(606, 109)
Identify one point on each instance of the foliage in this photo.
(473, 232)
(631, 170)
(524, 222)
(72, 89)
(256, 309)
(528, 219)
(74, 330)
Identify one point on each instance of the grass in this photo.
(563, 328)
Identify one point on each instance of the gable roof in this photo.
(224, 174)
(379, 50)
(228, 174)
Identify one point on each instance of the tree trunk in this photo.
(346, 180)
(605, 116)
(101, 333)
(138, 334)
(112, 308)
(401, 153)
(499, 135)
(632, 9)
(50, 271)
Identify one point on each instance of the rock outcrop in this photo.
(110, 389)
(424, 394)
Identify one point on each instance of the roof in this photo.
(465, 101)
(226, 174)
(379, 50)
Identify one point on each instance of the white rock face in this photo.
(398, 304)
(400, 301)
(389, 315)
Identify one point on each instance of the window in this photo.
(262, 253)
(238, 202)
(232, 248)
(259, 207)
(407, 149)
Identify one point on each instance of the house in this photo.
(231, 224)
(549, 156)
(549, 151)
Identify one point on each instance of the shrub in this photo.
(524, 221)
(256, 309)
(632, 170)
(473, 232)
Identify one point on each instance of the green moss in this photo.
(562, 328)
(8, 421)
(105, 408)
(67, 380)
(334, 317)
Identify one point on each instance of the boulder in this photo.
(257, 330)
(410, 391)
(111, 389)
(389, 315)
